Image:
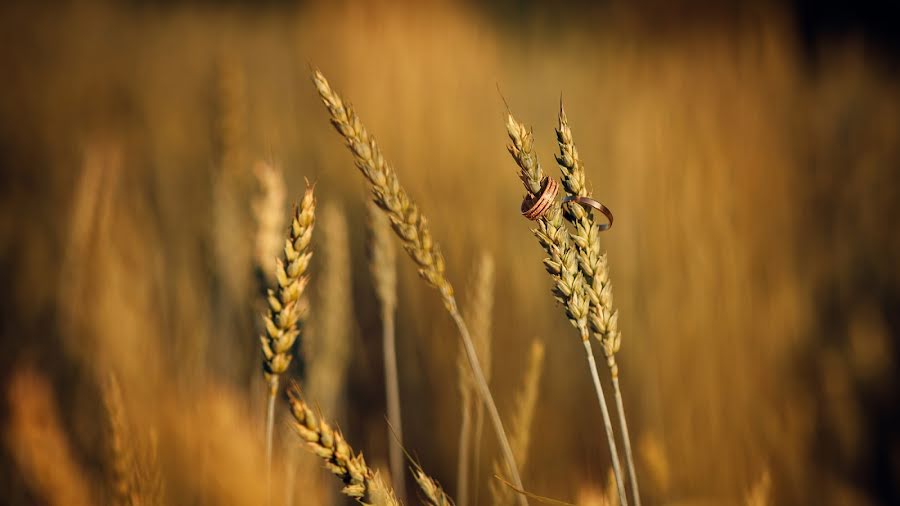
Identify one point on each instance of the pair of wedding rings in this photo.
(535, 207)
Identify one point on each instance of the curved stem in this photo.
(270, 429)
(485, 393)
(620, 407)
(462, 466)
(614, 454)
(392, 387)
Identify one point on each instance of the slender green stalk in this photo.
(411, 227)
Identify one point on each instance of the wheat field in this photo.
(754, 255)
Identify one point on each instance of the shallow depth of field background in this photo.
(752, 168)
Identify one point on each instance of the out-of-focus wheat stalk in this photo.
(603, 318)
(269, 211)
(287, 307)
(434, 495)
(383, 265)
(361, 482)
(124, 474)
(38, 444)
(761, 493)
(478, 311)
(526, 401)
(563, 266)
(412, 229)
(328, 344)
(592, 495)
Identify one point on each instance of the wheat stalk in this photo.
(603, 318)
(562, 265)
(478, 312)
(287, 307)
(383, 265)
(526, 401)
(361, 482)
(412, 229)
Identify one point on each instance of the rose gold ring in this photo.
(535, 207)
(589, 202)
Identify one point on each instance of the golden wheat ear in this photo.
(361, 482)
(412, 229)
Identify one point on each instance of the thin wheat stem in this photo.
(410, 225)
(391, 383)
(270, 429)
(485, 394)
(607, 423)
(629, 459)
(465, 443)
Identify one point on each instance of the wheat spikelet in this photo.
(268, 210)
(412, 229)
(383, 266)
(124, 473)
(520, 438)
(434, 495)
(360, 481)
(603, 318)
(287, 306)
(562, 264)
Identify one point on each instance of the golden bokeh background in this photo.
(752, 172)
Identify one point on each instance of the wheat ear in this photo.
(269, 213)
(383, 265)
(412, 229)
(562, 265)
(603, 318)
(434, 495)
(526, 401)
(287, 307)
(124, 487)
(361, 482)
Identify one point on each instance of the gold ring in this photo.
(535, 207)
(589, 202)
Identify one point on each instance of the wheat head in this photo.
(361, 482)
(433, 494)
(268, 210)
(287, 306)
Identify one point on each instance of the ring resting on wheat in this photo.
(589, 202)
(534, 207)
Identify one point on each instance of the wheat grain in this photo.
(412, 228)
(124, 474)
(287, 306)
(361, 482)
(520, 438)
(562, 264)
(383, 266)
(603, 318)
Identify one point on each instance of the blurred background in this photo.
(749, 152)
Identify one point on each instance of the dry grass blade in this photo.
(562, 264)
(287, 306)
(433, 494)
(383, 265)
(526, 401)
(603, 318)
(361, 482)
(412, 229)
